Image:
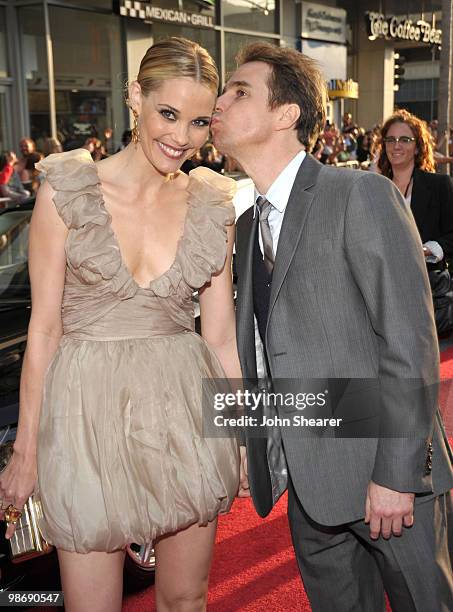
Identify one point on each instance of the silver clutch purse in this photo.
(27, 541)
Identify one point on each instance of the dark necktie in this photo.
(264, 208)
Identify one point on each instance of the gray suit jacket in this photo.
(350, 299)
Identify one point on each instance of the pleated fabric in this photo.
(121, 452)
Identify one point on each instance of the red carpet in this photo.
(446, 389)
(254, 567)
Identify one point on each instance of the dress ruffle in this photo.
(205, 237)
(92, 248)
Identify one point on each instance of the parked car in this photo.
(15, 308)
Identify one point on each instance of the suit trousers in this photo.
(344, 570)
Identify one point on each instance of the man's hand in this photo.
(387, 511)
(244, 489)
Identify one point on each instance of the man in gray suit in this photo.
(331, 269)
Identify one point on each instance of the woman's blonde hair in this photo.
(173, 58)
(424, 157)
(51, 145)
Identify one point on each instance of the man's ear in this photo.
(288, 116)
(135, 96)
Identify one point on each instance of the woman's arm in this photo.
(47, 264)
(218, 324)
(218, 328)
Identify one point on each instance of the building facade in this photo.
(64, 64)
(383, 39)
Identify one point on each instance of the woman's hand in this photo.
(17, 483)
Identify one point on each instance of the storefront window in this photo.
(3, 57)
(233, 43)
(203, 36)
(256, 15)
(106, 4)
(420, 97)
(5, 119)
(89, 77)
(14, 232)
(31, 20)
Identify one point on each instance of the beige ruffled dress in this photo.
(121, 452)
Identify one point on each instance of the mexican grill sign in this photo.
(149, 13)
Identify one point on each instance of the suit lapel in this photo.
(297, 209)
(244, 307)
(420, 199)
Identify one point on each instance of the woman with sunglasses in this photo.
(406, 157)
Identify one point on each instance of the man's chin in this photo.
(221, 146)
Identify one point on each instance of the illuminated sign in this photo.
(149, 13)
(323, 22)
(402, 28)
(338, 88)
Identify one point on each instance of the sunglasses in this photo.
(404, 140)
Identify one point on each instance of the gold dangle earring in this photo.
(135, 130)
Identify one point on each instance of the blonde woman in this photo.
(110, 409)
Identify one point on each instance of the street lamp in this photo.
(398, 70)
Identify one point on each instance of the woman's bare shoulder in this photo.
(110, 167)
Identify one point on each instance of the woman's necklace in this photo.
(406, 191)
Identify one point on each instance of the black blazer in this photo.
(432, 207)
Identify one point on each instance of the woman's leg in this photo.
(183, 560)
(92, 581)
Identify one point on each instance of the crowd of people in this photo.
(355, 146)
(19, 178)
(349, 145)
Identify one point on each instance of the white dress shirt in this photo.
(278, 195)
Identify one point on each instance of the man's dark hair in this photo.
(294, 79)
